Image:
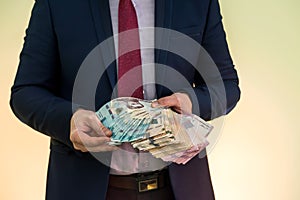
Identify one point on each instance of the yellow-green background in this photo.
(258, 154)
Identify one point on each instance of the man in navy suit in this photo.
(60, 36)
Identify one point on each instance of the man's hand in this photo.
(88, 133)
(179, 102)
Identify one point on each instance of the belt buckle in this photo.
(147, 183)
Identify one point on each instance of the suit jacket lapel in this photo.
(163, 16)
(190, 181)
(102, 21)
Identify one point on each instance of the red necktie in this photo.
(131, 84)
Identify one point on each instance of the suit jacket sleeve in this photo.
(214, 42)
(33, 95)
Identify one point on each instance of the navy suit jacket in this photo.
(60, 35)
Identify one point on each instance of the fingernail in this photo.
(155, 104)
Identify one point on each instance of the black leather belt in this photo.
(142, 182)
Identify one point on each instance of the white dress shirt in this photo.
(145, 15)
(140, 162)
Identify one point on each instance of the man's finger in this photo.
(106, 131)
(178, 110)
(100, 148)
(95, 124)
(80, 147)
(98, 127)
(88, 141)
(168, 101)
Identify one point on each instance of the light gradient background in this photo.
(258, 154)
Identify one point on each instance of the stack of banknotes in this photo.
(164, 133)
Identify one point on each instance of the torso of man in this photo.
(124, 162)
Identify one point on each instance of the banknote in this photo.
(159, 133)
(162, 132)
(189, 133)
(182, 157)
(128, 118)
